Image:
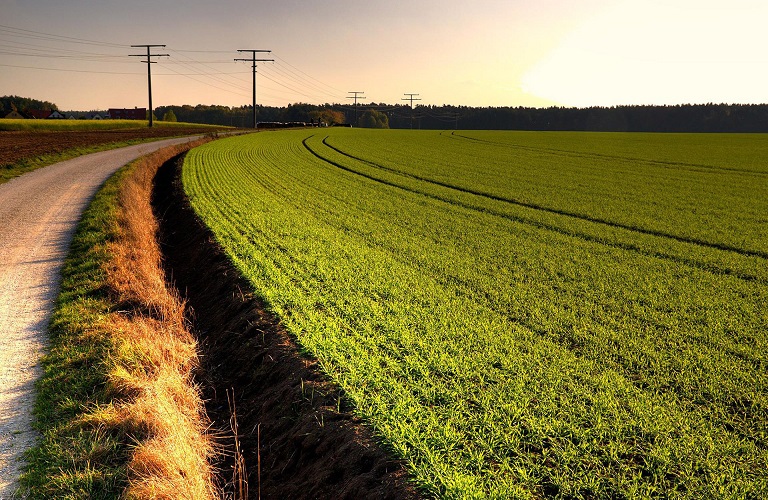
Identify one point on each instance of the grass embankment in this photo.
(117, 408)
(520, 315)
(90, 125)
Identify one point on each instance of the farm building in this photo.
(43, 114)
(128, 114)
(38, 114)
(15, 115)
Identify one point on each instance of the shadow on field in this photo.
(310, 444)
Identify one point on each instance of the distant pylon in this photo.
(411, 98)
(356, 97)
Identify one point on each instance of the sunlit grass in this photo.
(519, 315)
(117, 409)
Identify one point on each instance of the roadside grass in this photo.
(117, 409)
(90, 125)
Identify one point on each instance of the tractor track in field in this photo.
(538, 207)
(550, 227)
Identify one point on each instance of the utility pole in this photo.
(355, 97)
(411, 98)
(149, 55)
(253, 60)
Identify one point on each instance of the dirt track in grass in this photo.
(291, 419)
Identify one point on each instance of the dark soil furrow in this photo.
(298, 436)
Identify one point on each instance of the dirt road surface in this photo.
(18, 145)
(38, 215)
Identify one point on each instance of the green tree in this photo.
(373, 119)
(169, 116)
(328, 116)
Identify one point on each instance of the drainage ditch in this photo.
(297, 436)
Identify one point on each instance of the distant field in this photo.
(79, 125)
(520, 314)
(50, 141)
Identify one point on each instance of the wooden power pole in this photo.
(356, 97)
(253, 61)
(149, 55)
(411, 97)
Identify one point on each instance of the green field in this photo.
(520, 314)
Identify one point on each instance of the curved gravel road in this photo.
(38, 215)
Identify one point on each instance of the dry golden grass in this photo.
(155, 358)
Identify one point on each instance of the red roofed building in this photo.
(38, 114)
(128, 114)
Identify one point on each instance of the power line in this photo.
(314, 89)
(70, 70)
(200, 67)
(411, 98)
(356, 97)
(149, 62)
(58, 38)
(193, 75)
(334, 89)
(213, 74)
(253, 60)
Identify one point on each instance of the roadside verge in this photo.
(117, 408)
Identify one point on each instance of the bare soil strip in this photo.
(38, 215)
(297, 434)
(18, 145)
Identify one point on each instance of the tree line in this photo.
(680, 118)
(10, 103)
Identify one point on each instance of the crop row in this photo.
(505, 310)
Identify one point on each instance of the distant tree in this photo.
(328, 116)
(22, 104)
(146, 116)
(373, 119)
(169, 116)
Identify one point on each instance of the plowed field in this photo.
(17, 146)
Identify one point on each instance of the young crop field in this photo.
(520, 314)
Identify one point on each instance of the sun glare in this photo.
(649, 52)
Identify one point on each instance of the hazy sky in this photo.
(480, 53)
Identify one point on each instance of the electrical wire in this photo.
(59, 38)
(287, 80)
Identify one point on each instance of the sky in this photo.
(77, 54)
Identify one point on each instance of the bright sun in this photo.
(651, 52)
